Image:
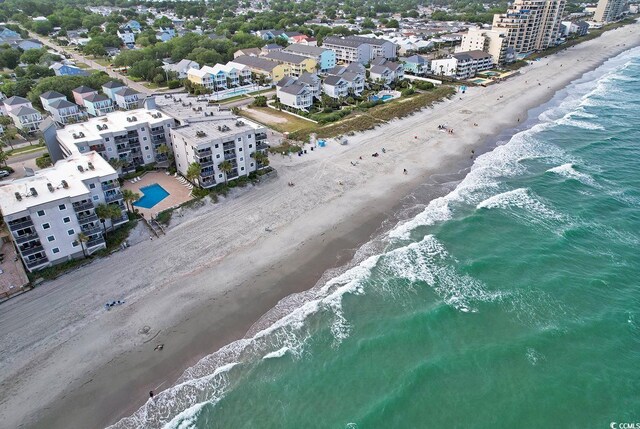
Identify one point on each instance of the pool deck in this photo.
(178, 193)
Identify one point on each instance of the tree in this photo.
(4, 157)
(44, 161)
(225, 167)
(261, 159)
(393, 23)
(82, 238)
(32, 56)
(260, 101)
(368, 23)
(95, 48)
(193, 171)
(107, 211)
(163, 149)
(129, 197)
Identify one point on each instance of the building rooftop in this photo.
(256, 63)
(25, 110)
(93, 98)
(114, 122)
(125, 92)
(51, 95)
(66, 169)
(332, 79)
(61, 104)
(113, 84)
(15, 101)
(286, 57)
(83, 90)
(203, 133)
(305, 49)
(294, 88)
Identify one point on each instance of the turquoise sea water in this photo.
(151, 195)
(513, 301)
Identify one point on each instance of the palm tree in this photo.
(82, 238)
(129, 197)
(4, 156)
(163, 149)
(193, 171)
(261, 159)
(107, 211)
(225, 167)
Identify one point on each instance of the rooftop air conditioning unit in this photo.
(75, 136)
(81, 134)
(34, 192)
(64, 184)
(80, 169)
(90, 165)
(18, 196)
(50, 186)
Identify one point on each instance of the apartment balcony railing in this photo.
(79, 207)
(83, 220)
(26, 238)
(157, 132)
(207, 173)
(36, 262)
(117, 221)
(31, 250)
(95, 242)
(208, 163)
(203, 153)
(230, 155)
(109, 185)
(113, 197)
(15, 226)
(92, 231)
(262, 146)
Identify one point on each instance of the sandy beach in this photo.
(68, 363)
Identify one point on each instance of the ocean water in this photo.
(512, 301)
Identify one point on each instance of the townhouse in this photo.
(273, 70)
(51, 215)
(360, 49)
(21, 111)
(325, 58)
(296, 64)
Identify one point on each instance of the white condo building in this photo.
(531, 25)
(609, 10)
(134, 137)
(357, 49)
(493, 42)
(45, 213)
(209, 143)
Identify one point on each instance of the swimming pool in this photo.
(383, 98)
(151, 195)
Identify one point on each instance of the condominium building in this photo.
(297, 64)
(325, 58)
(47, 212)
(133, 138)
(273, 70)
(221, 76)
(210, 143)
(531, 25)
(493, 42)
(470, 63)
(358, 49)
(609, 10)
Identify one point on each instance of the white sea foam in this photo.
(580, 124)
(278, 353)
(534, 356)
(568, 170)
(520, 198)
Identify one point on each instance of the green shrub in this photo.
(173, 84)
(200, 192)
(260, 101)
(420, 84)
(407, 92)
(44, 161)
(164, 217)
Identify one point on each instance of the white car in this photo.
(4, 173)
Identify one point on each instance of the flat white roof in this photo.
(67, 170)
(116, 122)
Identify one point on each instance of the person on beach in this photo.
(405, 171)
(150, 393)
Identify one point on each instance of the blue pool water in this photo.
(151, 195)
(383, 98)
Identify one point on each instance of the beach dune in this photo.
(68, 363)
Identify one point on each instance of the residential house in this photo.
(297, 64)
(134, 26)
(325, 58)
(303, 40)
(221, 76)
(46, 98)
(295, 95)
(67, 70)
(65, 112)
(110, 88)
(46, 212)
(98, 104)
(26, 118)
(269, 34)
(271, 69)
(335, 86)
(14, 103)
(80, 93)
(127, 98)
(7, 35)
(165, 34)
(416, 65)
(252, 52)
(313, 82)
(181, 68)
(444, 67)
(272, 47)
(578, 28)
(27, 44)
(127, 36)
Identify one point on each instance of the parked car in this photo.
(4, 173)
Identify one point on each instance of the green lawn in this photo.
(25, 149)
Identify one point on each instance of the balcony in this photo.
(156, 132)
(120, 220)
(79, 207)
(110, 185)
(261, 136)
(113, 197)
(15, 226)
(26, 238)
(207, 163)
(95, 242)
(92, 231)
(262, 146)
(31, 250)
(83, 220)
(207, 173)
(203, 153)
(231, 155)
(36, 263)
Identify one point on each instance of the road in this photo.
(81, 58)
(18, 162)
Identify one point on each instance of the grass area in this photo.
(231, 99)
(286, 147)
(290, 123)
(25, 149)
(262, 91)
(83, 65)
(102, 61)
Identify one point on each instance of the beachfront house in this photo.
(65, 112)
(127, 98)
(98, 104)
(181, 68)
(26, 118)
(416, 65)
(295, 95)
(80, 93)
(335, 86)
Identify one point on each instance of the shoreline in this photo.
(222, 315)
